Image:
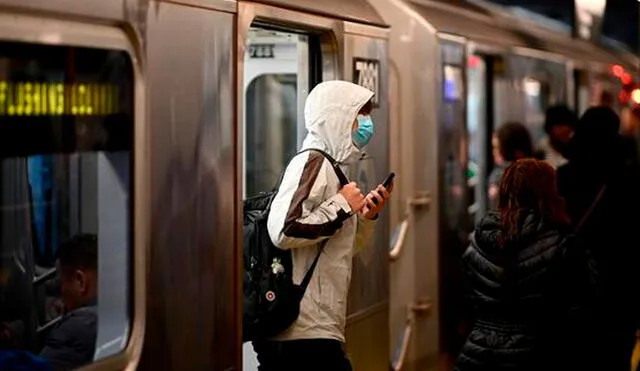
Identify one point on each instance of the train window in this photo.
(276, 83)
(455, 143)
(478, 131)
(453, 84)
(537, 100)
(66, 137)
(455, 220)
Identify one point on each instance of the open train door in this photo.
(285, 48)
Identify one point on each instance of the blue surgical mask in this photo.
(363, 134)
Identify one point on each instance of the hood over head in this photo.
(329, 112)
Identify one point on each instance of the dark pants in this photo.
(301, 355)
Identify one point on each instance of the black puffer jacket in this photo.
(531, 299)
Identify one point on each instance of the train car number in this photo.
(366, 73)
(261, 51)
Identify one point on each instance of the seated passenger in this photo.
(511, 142)
(530, 282)
(72, 341)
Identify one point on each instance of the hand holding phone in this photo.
(377, 198)
(387, 182)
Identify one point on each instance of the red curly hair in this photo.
(528, 185)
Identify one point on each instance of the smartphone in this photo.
(386, 184)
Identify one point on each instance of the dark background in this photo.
(621, 17)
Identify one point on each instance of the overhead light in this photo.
(623, 97)
(617, 69)
(532, 87)
(595, 7)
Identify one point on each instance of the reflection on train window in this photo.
(453, 86)
(276, 84)
(66, 137)
(477, 129)
(537, 100)
(455, 146)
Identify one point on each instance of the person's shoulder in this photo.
(81, 320)
(309, 156)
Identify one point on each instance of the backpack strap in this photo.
(336, 167)
(309, 274)
(343, 181)
(592, 207)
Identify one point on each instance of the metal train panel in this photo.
(414, 146)
(351, 10)
(193, 302)
(104, 10)
(365, 62)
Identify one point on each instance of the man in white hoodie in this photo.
(312, 208)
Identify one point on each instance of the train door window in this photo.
(276, 83)
(66, 137)
(455, 221)
(536, 97)
(478, 130)
(455, 142)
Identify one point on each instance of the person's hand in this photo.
(354, 196)
(381, 194)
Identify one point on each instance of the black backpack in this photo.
(271, 299)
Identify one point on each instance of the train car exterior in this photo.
(338, 40)
(459, 70)
(414, 96)
(98, 186)
(146, 123)
(167, 229)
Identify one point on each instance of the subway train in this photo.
(148, 122)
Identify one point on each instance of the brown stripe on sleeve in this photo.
(292, 228)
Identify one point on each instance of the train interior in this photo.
(276, 79)
(62, 183)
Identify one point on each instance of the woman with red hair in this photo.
(530, 283)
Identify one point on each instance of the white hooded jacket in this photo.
(308, 210)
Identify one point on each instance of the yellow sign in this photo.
(57, 99)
